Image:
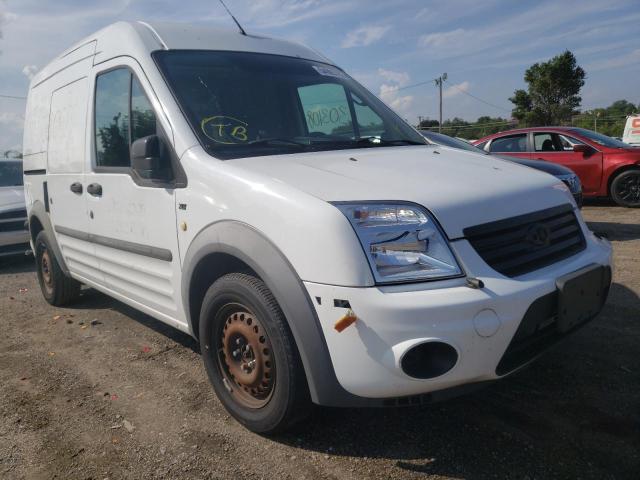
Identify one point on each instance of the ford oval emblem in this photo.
(538, 235)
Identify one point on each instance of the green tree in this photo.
(113, 149)
(485, 125)
(553, 92)
(609, 120)
(428, 123)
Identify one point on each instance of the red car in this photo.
(607, 167)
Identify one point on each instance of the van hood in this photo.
(11, 198)
(460, 188)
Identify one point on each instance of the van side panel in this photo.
(36, 129)
(67, 128)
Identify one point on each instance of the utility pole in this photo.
(439, 80)
(595, 122)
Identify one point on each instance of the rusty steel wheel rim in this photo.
(45, 268)
(245, 357)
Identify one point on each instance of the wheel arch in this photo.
(238, 245)
(39, 220)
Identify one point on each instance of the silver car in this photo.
(14, 236)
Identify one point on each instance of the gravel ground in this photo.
(100, 391)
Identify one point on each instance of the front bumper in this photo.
(480, 324)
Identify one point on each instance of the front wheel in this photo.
(625, 188)
(250, 355)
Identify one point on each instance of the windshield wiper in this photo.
(277, 141)
(379, 142)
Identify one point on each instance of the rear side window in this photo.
(512, 144)
(123, 114)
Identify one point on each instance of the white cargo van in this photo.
(249, 192)
(631, 133)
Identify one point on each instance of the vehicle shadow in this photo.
(569, 414)
(17, 264)
(615, 231)
(94, 300)
(551, 419)
(599, 202)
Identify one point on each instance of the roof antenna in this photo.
(234, 19)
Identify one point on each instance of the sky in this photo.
(483, 46)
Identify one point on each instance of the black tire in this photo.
(625, 188)
(57, 288)
(238, 304)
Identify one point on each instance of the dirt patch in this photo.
(99, 390)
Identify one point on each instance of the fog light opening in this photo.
(429, 360)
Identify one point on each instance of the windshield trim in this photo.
(156, 54)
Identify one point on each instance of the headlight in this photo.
(402, 242)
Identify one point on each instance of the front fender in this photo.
(258, 252)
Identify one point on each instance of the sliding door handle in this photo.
(76, 187)
(94, 189)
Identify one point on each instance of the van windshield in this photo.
(250, 104)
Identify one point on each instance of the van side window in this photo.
(123, 115)
(369, 122)
(143, 119)
(112, 118)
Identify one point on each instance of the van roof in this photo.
(139, 39)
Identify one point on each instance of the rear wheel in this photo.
(250, 355)
(57, 288)
(625, 188)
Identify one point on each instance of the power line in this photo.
(471, 125)
(479, 99)
(13, 97)
(414, 85)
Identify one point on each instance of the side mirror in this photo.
(150, 159)
(582, 148)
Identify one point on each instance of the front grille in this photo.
(522, 244)
(13, 220)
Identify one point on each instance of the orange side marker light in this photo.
(348, 319)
